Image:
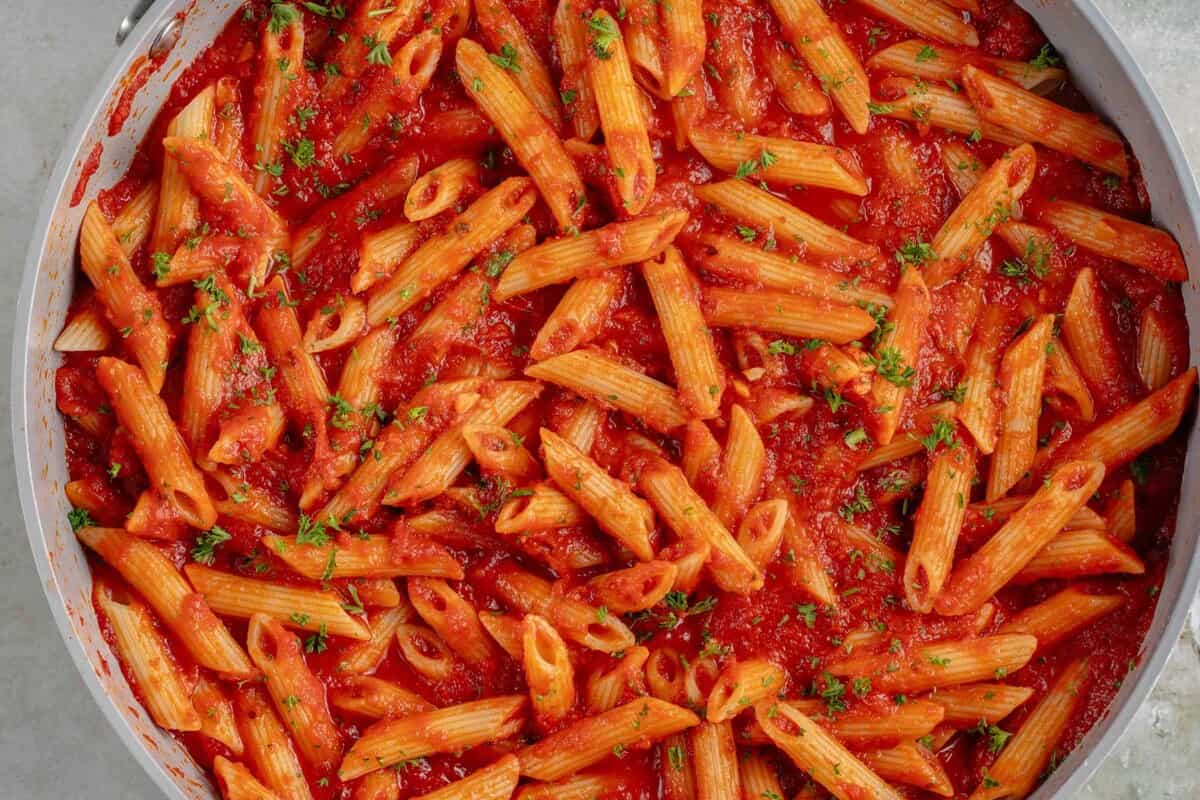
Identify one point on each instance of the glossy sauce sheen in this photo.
(807, 452)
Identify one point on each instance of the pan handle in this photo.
(132, 18)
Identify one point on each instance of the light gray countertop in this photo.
(54, 743)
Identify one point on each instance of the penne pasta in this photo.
(593, 738)
(1036, 119)
(1060, 615)
(789, 314)
(580, 315)
(933, 62)
(497, 781)
(1021, 380)
(1142, 246)
(931, 18)
(781, 161)
(589, 253)
(1022, 537)
(897, 351)
(938, 666)
(526, 131)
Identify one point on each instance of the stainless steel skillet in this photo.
(1100, 64)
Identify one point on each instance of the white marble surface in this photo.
(54, 743)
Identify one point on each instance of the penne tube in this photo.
(589, 253)
(988, 204)
(667, 489)
(760, 779)
(715, 761)
(866, 727)
(761, 531)
(496, 449)
(938, 523)
(1130, 432)
(427, 653)
(157, 441)
(610, 384)
(533, 141)
(898, 350)
(758, 207)
(145, 654)
(269, 748)
(281, 56)
(675, 293)
(1120, 519)
(934, 62)
(238, 783)
(85, 332)
(683, 24)
(742, 684)
(635, 588)
(516, 55)
(798, 90)
(931, 18)
(618, 100)
(298, 694)
(133, 312)
(216, 713)
(580, 315)
(1157, 355)
(808, 571)
(133, 224)
(334, 327)
(962, 167)
(578, 621)
(575, 89)
(979, 412)
(1016, 771)
(381, 252)
(541, 507)
(1061, 615)
(443, 730)
(307, 609)
(443, 461)
(644, 36)
(365, 198)
(742, 262)
(1030, 529)
(1036, 119)
(939, 107)
(452, 617)
(591, 739)
(497, 781)
(941, 665)
(444, 256)
(178, 212)
(506, 630)
(375, 698)
(1021, 380)
(989, 702)
(229, 124)
(411, 70)
(743, 463)
(912, 765)
(730, 62)
(548, 669)
(788, 314)
(440, 189)
(609, 501)
(781, 161)
(375, 556)
(1087, 332)
(819, 754)
(1142, 246)
(1077, 554)
(364, 656)
(820, 44)
(605, 688)
(212, 343)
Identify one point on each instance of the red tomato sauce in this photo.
(808, 453)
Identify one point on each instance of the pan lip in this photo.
(1076, 769)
